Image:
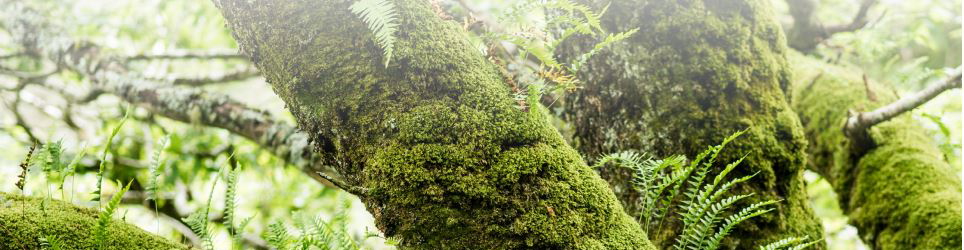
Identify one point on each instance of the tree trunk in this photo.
(24, 220)
(695, 73)
(433, 142)
(900, 194)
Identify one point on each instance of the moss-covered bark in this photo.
(696, 72)
(447, 158)
(24, 220)
(899, 195)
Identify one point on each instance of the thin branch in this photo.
(215, 78)
(110, 75)
(859, 21)
(188, 54)
(858, 123)
(808, 31)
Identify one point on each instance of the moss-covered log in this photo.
(696, 72)
(444, 157)
(900, 194)
(25, 220)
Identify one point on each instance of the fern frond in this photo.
(784, 243)
(155, 169)
(72, 166)
(198, 221)
(237, 237)
(751, 211)
(103, 156)
(277, 236)
(52, 242)
(103, 220)
(610, 40)
(382, 20)
(230, 199)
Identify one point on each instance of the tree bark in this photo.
(900, 194)
(446, 157)
(695, 73)
(24, 220)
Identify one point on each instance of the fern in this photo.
(609, 40)
(198, 221)
(333, 234)
(382, 20)
(71, 169)
(100, 232)
(103, 157)
(230, 199)
(51, 242)
(154, 172)
(790, 243)
(155, 169)
(277, 236)
(240, 231)
(701, 206)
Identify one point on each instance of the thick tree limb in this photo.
(857, 124)
(900, 194)
(435, 136)
(693, 75)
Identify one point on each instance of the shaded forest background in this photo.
(905, 44)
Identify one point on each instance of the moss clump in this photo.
(696, 72)
(449, 159)
(24, 220)
(899, 195)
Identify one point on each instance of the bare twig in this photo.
(859, 21)
(858, 123)
(215, 78)
(189, 54)
(808, 31)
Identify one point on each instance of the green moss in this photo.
(23, 220)
(696, 72)
(901, 194)
(449, 158)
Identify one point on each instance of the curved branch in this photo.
(808, 31)
(858, 123)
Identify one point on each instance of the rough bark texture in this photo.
(23, 220)
(696, 72)
(901, 194)
(448, 159)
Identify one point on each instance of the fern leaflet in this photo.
(100, 233)
(103, 157)
(382, 20)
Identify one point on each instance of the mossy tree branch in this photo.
(447, 157)
(696, 72)
(23, 220)
(900, 194)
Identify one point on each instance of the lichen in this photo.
(696, 72)
(23, 221)
(899, 195)
(447, 157)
